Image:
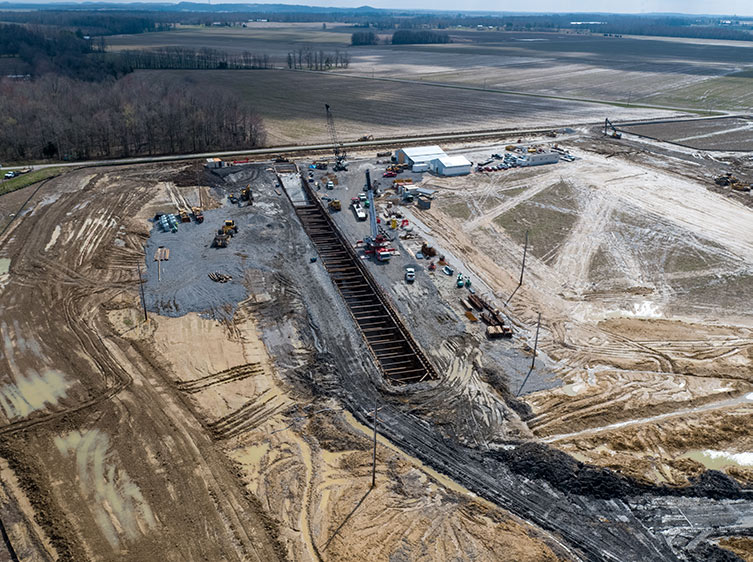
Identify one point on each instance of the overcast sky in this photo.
(729, 7)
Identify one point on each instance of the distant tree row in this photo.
(194, 59)
(411, 36)
(364, 38)
(140, 114)
(90, 23)
(318, 60)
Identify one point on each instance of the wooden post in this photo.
(141, 287)
(373, 468)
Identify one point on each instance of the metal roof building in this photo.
(451, 166)
(419, 154)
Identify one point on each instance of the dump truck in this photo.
(198, 214)
(334, 205)
(184, 215)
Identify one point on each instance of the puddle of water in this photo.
(716, 460)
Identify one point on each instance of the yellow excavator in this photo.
(247, 195)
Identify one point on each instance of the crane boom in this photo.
(336, 144)
(372, 208)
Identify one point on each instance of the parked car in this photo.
(410, 275)
(389, 174)
(9, 175)
(330, 185)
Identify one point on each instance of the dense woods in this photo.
(89, 23)
(364, 38)
(414, 36)
(56, 117)
(58, 51)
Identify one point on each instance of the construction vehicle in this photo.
(615, 134)
(183, 214)
(334, 205)
(355, 204)
(229, 228)
(340, 164)
(377, 244)
(221, 240)
(247, 195)
(366, 138)
(233, 199)
(198, 214)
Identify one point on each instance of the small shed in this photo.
(451, 166)
(213, 163)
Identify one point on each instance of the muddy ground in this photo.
(235, 422)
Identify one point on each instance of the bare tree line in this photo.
(194, 59)
(318, 60)
(57, 117)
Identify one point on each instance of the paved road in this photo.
(449, 136)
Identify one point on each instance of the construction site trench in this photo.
(336, 333)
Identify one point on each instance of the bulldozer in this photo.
(335, 205)
(229, 228)
(183, 215)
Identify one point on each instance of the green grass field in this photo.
(25, 180)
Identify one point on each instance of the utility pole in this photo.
(373, 467)
(533, 360)
(536, 342)
(523, 267)
(522, 270)
(141, 287)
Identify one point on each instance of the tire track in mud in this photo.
(228, 375)
(574, 255)
(729, 403)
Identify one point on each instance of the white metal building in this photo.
(418, 154)
(538, 159)
(451, 166)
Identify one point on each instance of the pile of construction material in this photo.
(220, 277)
(490, 315)
(168, 223)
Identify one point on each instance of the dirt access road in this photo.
(107, 463)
